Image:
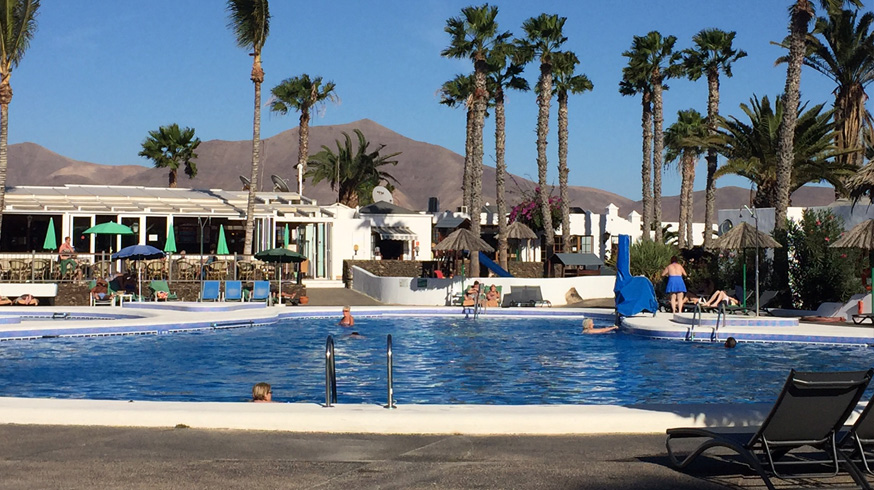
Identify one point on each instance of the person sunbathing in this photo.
(100, 291)
(5, 301)
(720, 296)
(493, 296)
(26, 300)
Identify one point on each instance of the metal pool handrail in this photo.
(330, 373)
(696, 321)
(389, 365)
(720, 313)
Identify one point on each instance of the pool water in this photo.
(454, 360)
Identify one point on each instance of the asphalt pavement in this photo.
(67, 457)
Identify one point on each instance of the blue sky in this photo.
(101, 73)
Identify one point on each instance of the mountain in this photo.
(423, 171)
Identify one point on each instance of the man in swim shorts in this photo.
(676, 287)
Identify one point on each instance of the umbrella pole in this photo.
(140, 280)
(280, 283)
(871, 263)
(745, 279)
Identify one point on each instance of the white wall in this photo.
(766, 217)
(436, 292)
(346, 232)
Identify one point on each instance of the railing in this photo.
(330, 373)
(389, 365)
(48, 267)
(696, 322)
(720, 314)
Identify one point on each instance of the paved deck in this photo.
(180, 458)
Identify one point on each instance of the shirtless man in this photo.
(676, 287)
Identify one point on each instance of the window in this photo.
(586, 244)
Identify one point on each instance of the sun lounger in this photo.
(863, 317)
(808, 413)
(261, 291)
(161, 291)
(859, 439)
(109, 300)
(525, 296)
(210, 291)
(233, 291)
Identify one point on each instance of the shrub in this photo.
(529, 213)
(649, 259)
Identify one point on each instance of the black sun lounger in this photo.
(859, 440)
(808, 414)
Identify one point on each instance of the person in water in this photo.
(589, 327)
(676, 287)
(347, 320)
(262, 393)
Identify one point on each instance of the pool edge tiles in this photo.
(374, 419)
(666, 326)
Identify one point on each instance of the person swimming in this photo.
(347, 320)
(589, 327)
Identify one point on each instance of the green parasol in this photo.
(281, 255)
(51, 242)
(170, 244)
(285, 236)
(222, 242)
(109, 228)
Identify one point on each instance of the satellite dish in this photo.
(279, 184)
(381, 194)
(725, 227)
(246, 183)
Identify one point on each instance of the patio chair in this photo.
(233, 291)
(217, 270)
(210, 291)
(246, 271)
(19, 269)
(155, 269)
(260, 291)
(161, 291)
(808, 413)
(186, 270)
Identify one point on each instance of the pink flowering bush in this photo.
(529, 213)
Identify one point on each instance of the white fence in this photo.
(438, 292)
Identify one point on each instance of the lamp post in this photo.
(756, 219)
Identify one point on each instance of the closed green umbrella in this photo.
(51, 242)
(285, 236)
(222, 242)
(170, 244)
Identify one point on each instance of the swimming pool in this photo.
(437, 360)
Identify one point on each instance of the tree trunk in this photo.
(468, 153)
(302, 145)
(5, 98)
(801, 15)
(690, 204)
(258, 79)
(710, 191)
(500, 172)
(646, 170)
(658, 146)
(481, 97)
(849, 114)
(563, 171)
(543, 101)
(684, 202)
(172, 179)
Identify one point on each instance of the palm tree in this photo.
(713, 54)
(800, 14)
(752, 149)
(566, 82)
(171, 147)
(18, 22)
(473, 35)
(843, 50)
(682, 142)
(353, 173)
(250, 21)
(654, 54)
(456, 93)
(301, 94)
(503, 74)
(543, 40)
(634, 81)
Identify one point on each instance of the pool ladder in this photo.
(331, 373)
(696, 322)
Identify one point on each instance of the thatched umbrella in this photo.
(860, 236)
(520, 231)
(742, 237)
(862, 183)
(462, 239)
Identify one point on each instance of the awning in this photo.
(584, 260)
(394, 233)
